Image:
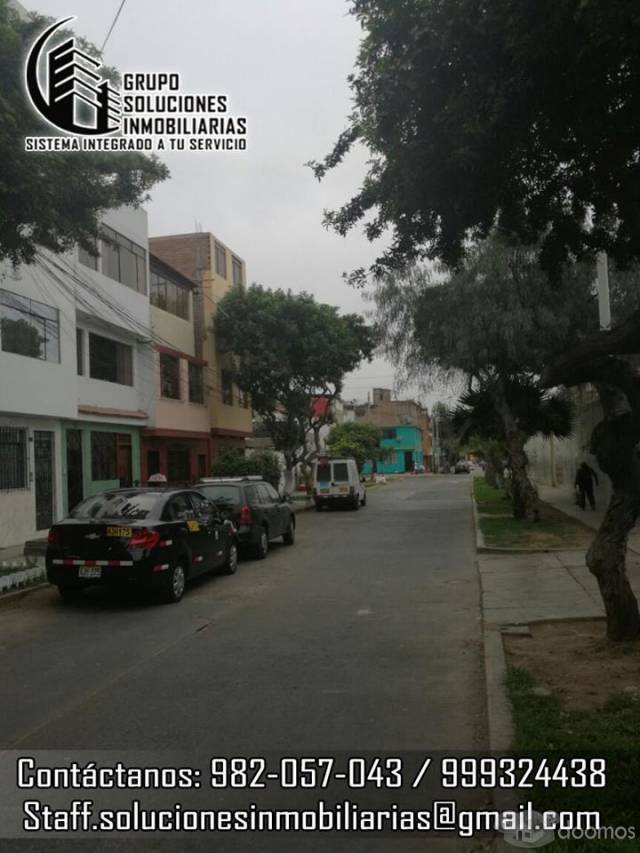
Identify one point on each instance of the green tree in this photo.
(287, 350)
(521, 114)
(360, 440)
(480, 412)
(233, 462)
(54, 199)
(497, 321)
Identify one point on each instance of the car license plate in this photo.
(343, 489)
(89, 572)
(120, 532)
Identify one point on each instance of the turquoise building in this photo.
(406, 443)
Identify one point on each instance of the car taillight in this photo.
(245, 515)
(54, 536)
(144, 538)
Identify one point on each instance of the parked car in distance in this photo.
(256, 509)
(337, 481)
(158, 537)
(461, 467)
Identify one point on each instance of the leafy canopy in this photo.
(360, 440)
(53, 199)
(287, 350)
(522, 114)
(233, 462)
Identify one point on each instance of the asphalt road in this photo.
(363, 636)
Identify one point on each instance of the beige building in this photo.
(215, 268)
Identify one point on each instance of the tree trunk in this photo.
(606, 559)
(614, 443)
(524, 495)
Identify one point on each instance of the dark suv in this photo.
(255, 508)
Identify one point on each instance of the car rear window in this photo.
(119, 505)
(323, 474)
(222, 495)
(340, 472)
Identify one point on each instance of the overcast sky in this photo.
(283, 64)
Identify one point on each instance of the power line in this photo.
(115, 20)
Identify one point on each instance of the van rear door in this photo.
(340, 478)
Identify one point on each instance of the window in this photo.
(253, 496)
(123, 260)
(271, 493)
(201, 506)
(236, 266)
(196, 383)
(169, 376)
(340, 472)
(227, 387)
(13, 458)
(222, 496)
(110, 360)
(221, 260)
(389, 432)
(133, 505)
(104, 456)
(243, 399)
(178, 464)
(323, 472)
(87, 259)
(179, 508)
(169, 296)
(29, 327)
(263, 493)
(80, 351)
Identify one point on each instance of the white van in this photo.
(337, 481)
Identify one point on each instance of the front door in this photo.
(408, 460)
(43, 453)
(75, 488)
(125, 470)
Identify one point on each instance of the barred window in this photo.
(29, 327)
(13, 458)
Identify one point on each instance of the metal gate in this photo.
(43, 453)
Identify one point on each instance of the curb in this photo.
(499, 715)
(495, 549)
(10, 597)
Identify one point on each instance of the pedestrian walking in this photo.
(585, 477)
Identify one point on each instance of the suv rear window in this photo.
(323, 473)
(119, 505)
(222, 495)
(340, 472)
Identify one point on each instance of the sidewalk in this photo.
(565, 502)
(517, 589)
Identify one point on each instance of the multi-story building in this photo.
(75, 375)
(215, 268)
(177, 443)
(405, 429)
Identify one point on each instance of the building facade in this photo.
(406, 430)
(76, 372)
(177, 442)
(215, 268)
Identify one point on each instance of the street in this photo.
(365, 635)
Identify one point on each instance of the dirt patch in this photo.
(575, 660)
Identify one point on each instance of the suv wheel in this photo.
(175, 584)
(262, 548)
(231, 563)
(290, 536)
(355, 504)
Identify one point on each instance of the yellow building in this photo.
(215, 267)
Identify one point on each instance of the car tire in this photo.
(69, 594)
(231, 563)
(175, 583)
(355, 504)
(364, 500)
(290, 536)
(262, 548)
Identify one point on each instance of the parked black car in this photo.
(256, 509)
(156, 536)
